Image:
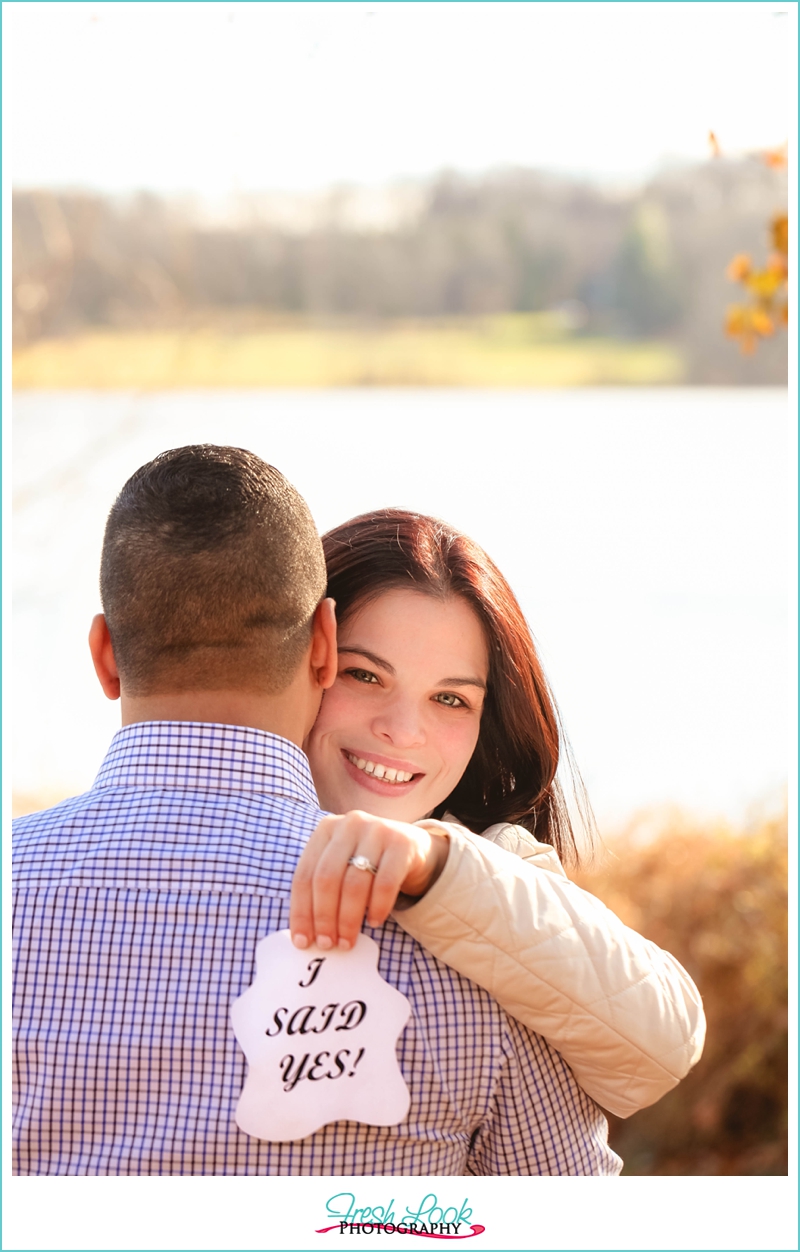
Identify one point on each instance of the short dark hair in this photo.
(212, 569)
(512, 774)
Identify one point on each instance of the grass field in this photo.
(516, 350)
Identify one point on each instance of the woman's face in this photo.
(397, 728)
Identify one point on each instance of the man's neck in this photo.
(283, 715)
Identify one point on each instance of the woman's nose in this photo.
(401, 724)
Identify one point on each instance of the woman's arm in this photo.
(624, 1014)
(499, 909)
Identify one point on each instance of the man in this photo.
(139, 904)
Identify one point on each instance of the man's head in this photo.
(211, 573)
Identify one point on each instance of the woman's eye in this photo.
(452, 701)
(361, 675)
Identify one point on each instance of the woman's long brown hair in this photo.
(512, 774)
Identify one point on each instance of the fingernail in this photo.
(300, 941)
(324, 941)
(345, 944)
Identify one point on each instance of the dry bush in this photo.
(717, 900)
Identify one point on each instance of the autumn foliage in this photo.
(716, 899)
(767, 307)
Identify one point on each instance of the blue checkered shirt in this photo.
(138, 907)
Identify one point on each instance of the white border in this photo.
(518, 1213)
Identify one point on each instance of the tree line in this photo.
(636, 263)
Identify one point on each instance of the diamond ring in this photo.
(362, 862)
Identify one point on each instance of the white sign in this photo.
(319, 1031)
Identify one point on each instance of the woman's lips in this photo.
(380, 786)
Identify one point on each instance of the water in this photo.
(646, 533)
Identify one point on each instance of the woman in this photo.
(441, 711)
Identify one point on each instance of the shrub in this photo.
(717, 900)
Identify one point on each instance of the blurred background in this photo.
(523, 266)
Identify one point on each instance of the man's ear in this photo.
(101, 648)
(324, 656)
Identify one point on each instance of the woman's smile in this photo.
(392, 774)
(397, 729)
(377, 773)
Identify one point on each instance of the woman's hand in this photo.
(331, 897)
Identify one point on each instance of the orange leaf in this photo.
(716, 151)
(780, 233)
(776, 158)
(764, 283)
(777, 264)
(737, 321)
(761, 322)
(739, 268)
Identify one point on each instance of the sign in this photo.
(319, 1031)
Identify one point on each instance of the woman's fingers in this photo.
(375, 897)
(336, 881)
(319, 880)
(331, 897)
(354, 900)
(301, 908)
(389, 879)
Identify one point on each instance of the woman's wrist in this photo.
(433, 860)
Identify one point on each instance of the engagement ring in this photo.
(362, 862)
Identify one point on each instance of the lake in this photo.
(646, 533)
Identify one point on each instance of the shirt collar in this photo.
(207, 756)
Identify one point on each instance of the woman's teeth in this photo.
(379, 771)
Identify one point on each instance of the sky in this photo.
(216, 98)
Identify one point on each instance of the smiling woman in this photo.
(440, 709)
(398, 728)
(453, 691)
